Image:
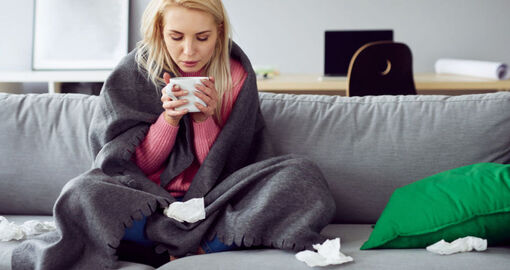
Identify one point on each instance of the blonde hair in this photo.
(152, 56)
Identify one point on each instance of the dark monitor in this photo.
(340, 46)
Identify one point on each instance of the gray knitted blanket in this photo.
(280, 202)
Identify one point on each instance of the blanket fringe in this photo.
(147, 209)
(249, 241)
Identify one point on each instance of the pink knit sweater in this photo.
(152, 153)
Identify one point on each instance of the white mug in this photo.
(186, 83)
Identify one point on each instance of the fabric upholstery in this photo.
(352, 237)
(385, 142)
(365, 146)
(369, 146)
(43, 145)
(6, 248)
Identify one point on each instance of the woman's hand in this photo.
(171, 115)
(209, 96)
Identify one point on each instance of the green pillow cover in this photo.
(468, 201)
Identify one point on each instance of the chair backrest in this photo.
(381, 68)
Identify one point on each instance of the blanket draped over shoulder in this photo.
(280, 202)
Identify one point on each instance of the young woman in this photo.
(150, 155)
(186, 38)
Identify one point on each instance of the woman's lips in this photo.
(190, 63)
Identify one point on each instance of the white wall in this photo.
(16, 23)
(288, 34)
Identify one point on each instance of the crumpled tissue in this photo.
(190, 211)
(327, 253)
(10, 231)
(465, 244)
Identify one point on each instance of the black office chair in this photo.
(381, 68)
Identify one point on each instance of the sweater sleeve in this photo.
(205, 135)
(156, 146)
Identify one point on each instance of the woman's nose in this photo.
(188, 47)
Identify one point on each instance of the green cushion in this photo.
(468, 201)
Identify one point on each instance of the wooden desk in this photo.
(286, 83)
(425, 84)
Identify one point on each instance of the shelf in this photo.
(54, 78)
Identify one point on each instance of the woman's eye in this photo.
(202, 38)
(176, 37)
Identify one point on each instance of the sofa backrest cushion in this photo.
(368, 146)
(43, 144)
(365, 146)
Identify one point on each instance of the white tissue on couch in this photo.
(10, 231)
(190, 211)
(327, 253)
(465, 244)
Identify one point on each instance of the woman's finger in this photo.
(206, 90)
(207, 83)
(171, 105)
(206, 99)
(211, 87)
(205, 110)
(178, 91)
(174, 113)
(164, 97)
(164, 89)
(166, 77)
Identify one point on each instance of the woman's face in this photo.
(190, 37)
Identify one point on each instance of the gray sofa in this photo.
(366, 147)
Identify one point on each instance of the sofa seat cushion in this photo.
(6, 248)
(352, 237)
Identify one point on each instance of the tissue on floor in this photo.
(190, 211)
(484, 69)
(460, 245)
(328, 253)
(10, 231)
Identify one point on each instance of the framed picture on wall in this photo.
(77, 34)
